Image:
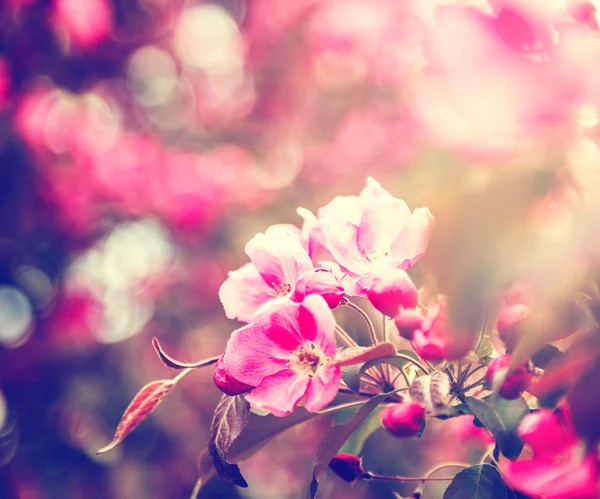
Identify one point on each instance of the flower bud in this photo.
(226, 382)
(391, 291)
(515, 382)
(405, 419)
(321, 282)
(508, 324)
(408, 321)
(347, 466)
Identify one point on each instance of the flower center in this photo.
(281, 289)
(307, 359)
(375, 254)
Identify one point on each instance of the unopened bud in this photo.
(321, 282)
(347, 466)
(225, 382)
(391, 291)
(515, 382)
(408, 321)
(405, 419)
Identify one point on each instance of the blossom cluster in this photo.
(363, 246)
(288, 351)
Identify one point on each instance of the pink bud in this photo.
(508, 324)
(408, 321)
(321, 282)
(404, 419)
(347, 466)
(226, 382)
(515, 382)
(392, 290)
(430, 347)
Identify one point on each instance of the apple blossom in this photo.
(280, 267)
(561, 467)
(373, 232)
(287, 355)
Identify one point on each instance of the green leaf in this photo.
(352, 374)
(482, 481)
(452, 411)
(501, 417)
(337, 435)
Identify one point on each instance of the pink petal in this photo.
(342, 243)
(243, 293)
(322, 388)
(312, 234)
(317, 323)
(279, 393)
(341, 208)
(279, 257)
(350, 282)
(574, 479)
(284, 230)
(372, 191)
(381, 222)
(411, 243)
(321, 282)
(251, 356)
(280, 323)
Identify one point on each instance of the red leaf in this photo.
(176, 364)
(358, 355)
(230, 418)
(141, 406)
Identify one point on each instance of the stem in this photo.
(386, 338)
(481, 333)
(386, 332)
(365, 317)
(448, 465)
(343, 389)
(183, 373)
(347, 405)
(345, 337)
(373, 476)
(415, 362)
(479, 382)
(196, 490)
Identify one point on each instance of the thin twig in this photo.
(386, 338)
(345, 337)
(415, 362)
(372, 476)
(481, 334)
(196, 490)
(479, 382)
(365, 317)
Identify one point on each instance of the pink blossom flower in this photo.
(392, 291)
(372, 232)
(437, 339)
(561, 467)
(287, 355)
(280, 267)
